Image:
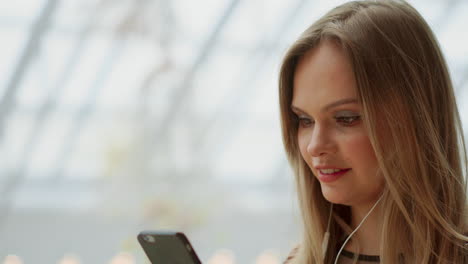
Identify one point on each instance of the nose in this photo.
(321, 142)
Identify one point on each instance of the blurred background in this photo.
(123, 115)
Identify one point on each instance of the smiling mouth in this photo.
(330, 175)
(331, 171)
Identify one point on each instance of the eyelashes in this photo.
(304, 122)
(348, 120)
(345, 120)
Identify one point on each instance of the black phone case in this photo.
(167, 247)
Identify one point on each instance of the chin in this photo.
(336, 196)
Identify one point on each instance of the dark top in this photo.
(361, 257)
(344, 254)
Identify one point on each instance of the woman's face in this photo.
(332, 137)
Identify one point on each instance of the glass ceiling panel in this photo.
(102, 147)
(18, 128)
(34, 88)
(453, 40)
(195, 21)
(12, 43)
(46, 150)
(301, 18)
(20, 10)
(121, 89)
(56, 50)
(210, 91)
(263, 104)
(248, 154)
(71, 15)
(247, 27)
(84, 81)
(432, 11)
(161, 90)
(86, 157)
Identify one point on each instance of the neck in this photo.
(369, 233)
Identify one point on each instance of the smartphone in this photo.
(167, 247)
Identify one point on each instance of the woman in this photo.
(371, 129)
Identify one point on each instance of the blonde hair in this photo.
(413, 124)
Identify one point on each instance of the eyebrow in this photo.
(330, 105)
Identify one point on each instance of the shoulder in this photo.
(291, 255)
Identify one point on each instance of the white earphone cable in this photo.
(326, 237)
(352, 233)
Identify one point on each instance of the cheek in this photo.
(359, 153)
(302, 141)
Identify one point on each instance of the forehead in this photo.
(323, 75)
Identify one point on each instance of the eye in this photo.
(304, 121)
(348, 120)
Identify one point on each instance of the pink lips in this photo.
(331, 177)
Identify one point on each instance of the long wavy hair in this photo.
(413, 124)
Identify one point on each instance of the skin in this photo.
(331, 133)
